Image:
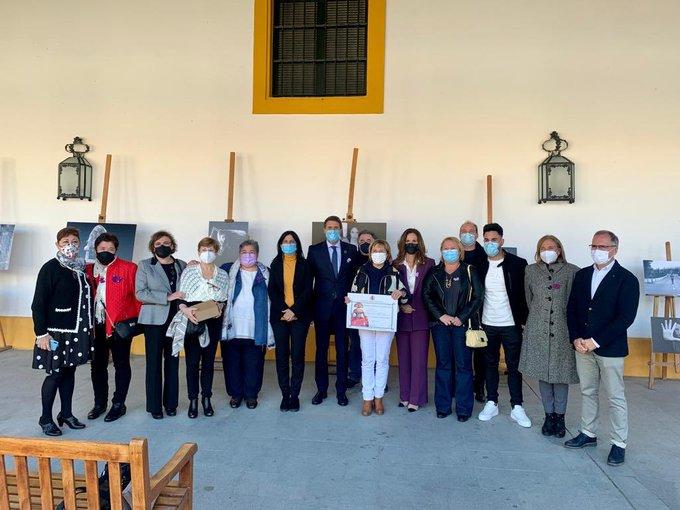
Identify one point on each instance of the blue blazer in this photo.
(330, 290)
(608, 315)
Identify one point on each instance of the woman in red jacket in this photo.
(114, 302)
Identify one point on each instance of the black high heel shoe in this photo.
(207, 406)
(193, 408)
(49, 428)
(70, 421)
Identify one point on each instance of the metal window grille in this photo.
(319, 48)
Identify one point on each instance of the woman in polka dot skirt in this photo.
(62, 318)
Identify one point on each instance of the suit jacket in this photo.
(417, 320)
(513, 273)
(302, 290)
(329, 290)
(152, 288)
(607, 316)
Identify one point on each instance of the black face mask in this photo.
(411, 248)
(105, 257)
(364, 247)
(162, 251)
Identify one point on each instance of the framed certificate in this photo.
(372, 312)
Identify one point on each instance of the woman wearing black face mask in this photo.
(156, 285)
(113, 280)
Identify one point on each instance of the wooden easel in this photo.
(105, 193)
(4, 346)
(489, 199)
(230, 193)
(352, 181)
(668, 313)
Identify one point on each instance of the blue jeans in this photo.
(452, 354)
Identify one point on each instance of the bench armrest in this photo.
(183, 458)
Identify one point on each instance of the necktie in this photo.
(334, 260)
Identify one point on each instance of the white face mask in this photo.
(600, 256)
(549, 256)
(378, 257)
(70, 250)
(207, 257)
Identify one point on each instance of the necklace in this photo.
(448, 281)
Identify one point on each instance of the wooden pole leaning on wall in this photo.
(489, 199)
(105, 193)
(3, 341)
(668, 314)
(352, 181)
(230, 193)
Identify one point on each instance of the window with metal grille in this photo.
(319, 48)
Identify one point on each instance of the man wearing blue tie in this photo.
(333, 264)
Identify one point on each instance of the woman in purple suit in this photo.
(413, 332)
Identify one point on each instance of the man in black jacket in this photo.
(333, 264)
(602, 305)
(504, 315)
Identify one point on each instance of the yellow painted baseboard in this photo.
(19, 334)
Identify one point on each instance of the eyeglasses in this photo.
(601, 246)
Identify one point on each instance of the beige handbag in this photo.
(474, 338)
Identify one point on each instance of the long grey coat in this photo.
(547, 353)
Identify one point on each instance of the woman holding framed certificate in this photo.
(377, 276)
(453, 293)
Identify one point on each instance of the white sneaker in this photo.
(490, 410)
(520, 417)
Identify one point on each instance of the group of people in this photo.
(555, 323)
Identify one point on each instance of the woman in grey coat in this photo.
(547, 353)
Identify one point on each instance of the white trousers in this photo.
(375, 362)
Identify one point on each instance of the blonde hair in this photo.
(384, 244)
(549, 237)
(459, 247)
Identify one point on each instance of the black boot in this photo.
(193, 408)
(548, 428)
(207, 406)
(49, 428)
(560, 429)
(70, 421)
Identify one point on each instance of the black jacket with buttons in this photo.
(513, 273)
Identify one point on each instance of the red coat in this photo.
(121, 302)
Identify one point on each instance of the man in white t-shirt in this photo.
(503, 316)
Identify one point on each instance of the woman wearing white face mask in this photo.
(377, 276)
(62, 318)
(547, 354)
(200, 283)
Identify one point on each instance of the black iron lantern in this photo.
(75, 173)
(555, 173)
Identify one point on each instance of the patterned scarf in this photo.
(99, 272)
(76, 264)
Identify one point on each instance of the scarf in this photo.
(77, 264)
(99, 272)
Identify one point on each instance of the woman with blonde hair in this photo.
(453, 293)
(547, 354)
(377, 276)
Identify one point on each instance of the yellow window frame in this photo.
(372, 102)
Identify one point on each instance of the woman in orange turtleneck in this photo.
(290, 293)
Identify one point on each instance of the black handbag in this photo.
(104, 488)
(195, 329)
(128, 329)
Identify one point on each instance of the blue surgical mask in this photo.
(332, 236)
(467, 238)
(450, 256)
(289, 248)
(492, 248)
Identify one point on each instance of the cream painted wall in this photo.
(471, 88)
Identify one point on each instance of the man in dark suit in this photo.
(333, 264)
(602, 305)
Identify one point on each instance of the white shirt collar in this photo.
(606, 268)
(330, 245)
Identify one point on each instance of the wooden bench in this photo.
(24, 489)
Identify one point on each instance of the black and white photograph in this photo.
(6, 238)
(90, 231)
(662, 277)
(350, 231)
(229, 235)
(666, 335)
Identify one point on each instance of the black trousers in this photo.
(62, 382)
(120, 353)
(323, 328)
(245, 368)
(201, 360)
(162, 370)
(510, 338)
(291, 338)
(479, 363)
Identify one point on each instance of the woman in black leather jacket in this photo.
(453, 293)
